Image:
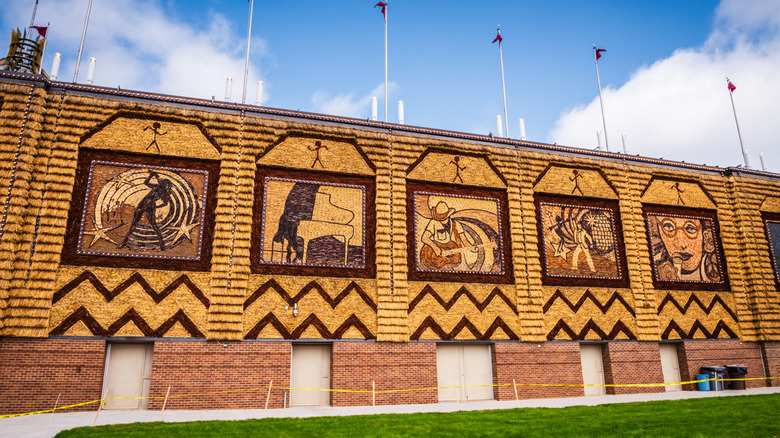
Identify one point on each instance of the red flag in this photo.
(384, 6)
(498, 38)
(598, 53)
(41, 30)
(732, 87)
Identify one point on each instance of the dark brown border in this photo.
(369, 271)
(684, 285)
(461, 277)
(774, 217)
(620, 251)
(484, 156)
(86, 156)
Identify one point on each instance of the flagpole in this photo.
(739, 134)
(385, 14)
(248, 38)
(601, 100)
(32, 20)
(81, 46)
(503, 83)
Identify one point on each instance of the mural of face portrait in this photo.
(683, 248)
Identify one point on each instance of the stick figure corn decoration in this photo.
(458, 168)
(155, 132)
(316, 149)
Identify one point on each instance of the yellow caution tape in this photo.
(388, 391)
(51, 410)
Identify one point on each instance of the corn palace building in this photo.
(150, 242)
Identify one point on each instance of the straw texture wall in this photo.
(509, 291)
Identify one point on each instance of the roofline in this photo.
(374, 125)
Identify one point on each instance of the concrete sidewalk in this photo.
(35, 426)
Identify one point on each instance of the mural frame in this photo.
(721, 286)
(369, 228)
(500, 197)
(86, 156)
(767, 217)
(622, 280)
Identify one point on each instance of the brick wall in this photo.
(771, 352)
(392, 366)
(34, 371)
(529, 364)
(632, 363)
(205, 367)
(696, 354)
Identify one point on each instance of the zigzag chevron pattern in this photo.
(311, 321)
(694, 299)
(464, 323)
(588, 295)
(721, 327)
(588, 327)
(83, 315)
(428, 290)
(311, 286)
(136, 278)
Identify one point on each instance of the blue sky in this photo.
(663, 74)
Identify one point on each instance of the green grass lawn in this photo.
(736, 416)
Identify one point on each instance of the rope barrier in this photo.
(385, 391)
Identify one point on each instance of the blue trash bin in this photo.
(703, 386)
(715, 373)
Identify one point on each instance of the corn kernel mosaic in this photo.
(203, 221)
(772, 227)
(579, 241)
(685, 248)
(135, 207)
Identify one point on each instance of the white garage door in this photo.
(592, 368)
(128, 374)
(670, 365)
(311, 370)
(464, 372)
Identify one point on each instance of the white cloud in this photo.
(138, 45)
(347, 105)
(678, 108)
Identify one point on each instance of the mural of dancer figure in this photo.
(160, 191)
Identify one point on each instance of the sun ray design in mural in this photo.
(684, 247)
(457, 234)
(135, 210)
(313, 223)
(579, 241)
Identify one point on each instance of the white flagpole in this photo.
(503, 84)
(385, 14)
(598, 79)
(739, 134)
(81, 46)
(32, 20)
(248, 38)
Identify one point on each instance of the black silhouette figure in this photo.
(676, 186)
(458, 168)
(155, 132)
(316, 148)
(576, 178)
(161, 191)
(298, 206)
